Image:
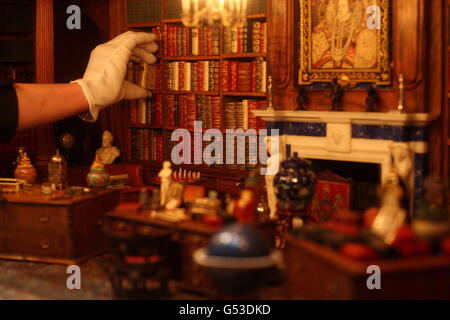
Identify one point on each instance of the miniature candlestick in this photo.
(401, 86)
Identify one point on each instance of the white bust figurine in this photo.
(165, 175)
(108, 153)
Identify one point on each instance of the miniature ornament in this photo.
(391, 216)
(166, 178)
(57, 171)
(25, 170)
(98, 177)
(107, 153)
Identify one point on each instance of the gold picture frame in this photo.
(347, 40)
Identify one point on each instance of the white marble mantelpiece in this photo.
(365, 137)
(368, 118)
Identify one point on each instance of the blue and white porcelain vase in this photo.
(295, 185)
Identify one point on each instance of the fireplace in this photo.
(356, 137)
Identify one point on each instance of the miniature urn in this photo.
(25, 170)
(98, 177)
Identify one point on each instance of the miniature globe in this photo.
(67, 141)
(237, 259)
(295, 184)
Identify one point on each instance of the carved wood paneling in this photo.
(44, 71)
(282, 43)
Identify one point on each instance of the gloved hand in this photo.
(104, 82)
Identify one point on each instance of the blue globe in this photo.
(238, 241)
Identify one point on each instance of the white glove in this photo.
(104, 82)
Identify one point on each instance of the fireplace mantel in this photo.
(365, 137)
(367, 118)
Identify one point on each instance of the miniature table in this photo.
(317, 272)
(53, 229)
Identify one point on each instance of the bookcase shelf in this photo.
(203, 93)
(192, 58)
(227, 69)
(145, 126)
(245, 94)
(243, 55)
(144, 25)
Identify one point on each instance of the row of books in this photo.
(239, 115)
(182, 41)
(26, 138)
(147, 111)
(246, 38)
(183, 110)
(239, 76)
(145, 75)
(145, 145)
(192, 76)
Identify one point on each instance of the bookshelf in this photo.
(195, 49)
(17, 62)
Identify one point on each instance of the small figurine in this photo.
(391, 216)
(301, 99)
(166, 177)
(25, 170)
(245, 209)
(336, 95)
(372, 99)
(108, 153)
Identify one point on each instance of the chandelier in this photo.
(213, 12)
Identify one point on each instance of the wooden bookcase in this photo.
(227, 180)
(17, 41)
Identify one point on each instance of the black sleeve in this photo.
(9, 112)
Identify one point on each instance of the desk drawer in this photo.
(35, 244)
(37, 218)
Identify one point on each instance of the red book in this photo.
(166, 40)
(233, 75)
(262, 39)
(184, 44)
(133, 107)
(174, 41)
(209, 44)
(253, 76)
(146, 154)
(240, 39)
(200, 76)
(225, 76)
(201, 36)
(181, 68)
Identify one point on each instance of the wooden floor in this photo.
(41, 281)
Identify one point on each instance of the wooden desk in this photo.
(317, 272)
(187, 236)
(33, 227)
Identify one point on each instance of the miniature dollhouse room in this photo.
(234, 149)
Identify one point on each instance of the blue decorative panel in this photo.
(399, 134)
(420, 173)
(309, 129)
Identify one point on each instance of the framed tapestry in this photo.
(347, 40)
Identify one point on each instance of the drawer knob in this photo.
(44, 219)
(45, 245)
